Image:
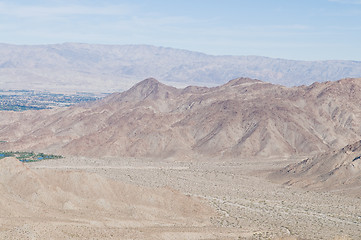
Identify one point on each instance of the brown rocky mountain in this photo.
(242, 118)
(338, 171)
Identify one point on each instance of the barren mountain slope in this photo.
(109, 68)
(43, 204)
(339, 171)
(244, 117)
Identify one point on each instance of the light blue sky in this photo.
(292, 29)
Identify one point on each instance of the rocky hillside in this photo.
(109, 68)
(339, 171)
(242, 118)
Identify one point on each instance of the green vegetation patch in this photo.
(20, 108)
(29, 156)
(356, 158)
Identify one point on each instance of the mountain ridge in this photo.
(242, 118)
(110, 68)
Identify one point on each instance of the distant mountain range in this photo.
(110, 68)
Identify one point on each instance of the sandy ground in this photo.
(43, 203)
(248, 206)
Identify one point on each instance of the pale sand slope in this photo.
(245, 201)
(54, 204)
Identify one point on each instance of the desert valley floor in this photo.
(243, 203)
(157, 162)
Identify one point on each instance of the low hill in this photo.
(242, 118)
(53, 204)
(338, 171)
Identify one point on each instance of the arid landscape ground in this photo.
(245, 160)
(180, 120)
(226, 200)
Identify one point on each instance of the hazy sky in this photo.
(293, 29)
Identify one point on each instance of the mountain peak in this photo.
(148, 82)
(148, 89)
(239, 81)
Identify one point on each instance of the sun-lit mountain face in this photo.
(242, 118)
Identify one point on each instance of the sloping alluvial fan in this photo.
(24, 190)
(55, 204)
(244, 117)
(339, 171)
